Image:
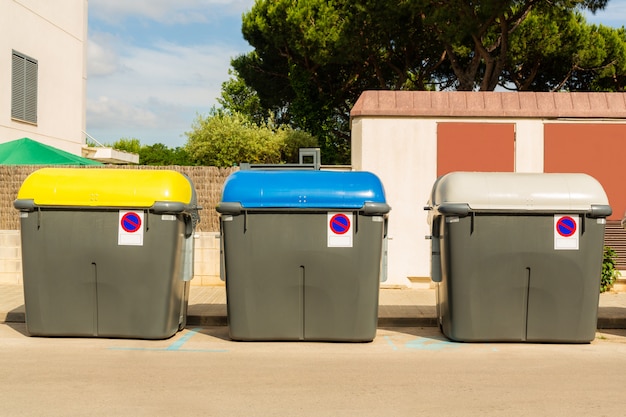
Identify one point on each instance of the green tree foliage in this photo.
(611, 75)
(238, 97)
(292, 140)
(157, 154)
(131, 145)
(312, 59)
(476, 36)
(226, 139)
(553, 52)
(609, 269)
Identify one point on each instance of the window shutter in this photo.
(615, 237)
(17, 88)
(30, 91)
(24, 88)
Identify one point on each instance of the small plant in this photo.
(609, 271)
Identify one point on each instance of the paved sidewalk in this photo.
(397, 307)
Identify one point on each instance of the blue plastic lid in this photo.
(303, 189)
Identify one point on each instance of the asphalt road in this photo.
(403, 372)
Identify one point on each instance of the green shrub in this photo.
(221, 139)
(609, 271)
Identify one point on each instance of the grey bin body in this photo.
(502, 269)
(78, 281)
(283, 281)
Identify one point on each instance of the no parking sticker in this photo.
(130, 230)
(566, 232)
(339, 230)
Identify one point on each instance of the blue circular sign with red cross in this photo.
(566, 226)
(131, 222)
(339, 224)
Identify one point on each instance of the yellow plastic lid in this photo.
(105, 187)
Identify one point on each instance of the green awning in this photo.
(26, 151)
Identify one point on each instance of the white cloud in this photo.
(140, 85)
(165, 11)
(102, 58)
(176, 74)
(154, 90)
(109, 112)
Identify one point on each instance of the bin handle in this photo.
(457, 209)
(375, 209)
(168, 207)
(188, 226)
(599, 210)
(24, 204)
(229, 208)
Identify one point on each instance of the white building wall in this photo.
(55, 34)
(402, 152)
(529, 145)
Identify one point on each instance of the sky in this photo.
(153, 66)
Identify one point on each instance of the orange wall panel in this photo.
(475, 147)
(594, 149)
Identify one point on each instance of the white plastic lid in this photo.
(508, 191)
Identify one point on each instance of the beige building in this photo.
(409, 138)
(43, 69)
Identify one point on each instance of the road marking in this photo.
(177, 346)
(390, 343)
(424, 343)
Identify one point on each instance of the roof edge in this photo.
(490, 104)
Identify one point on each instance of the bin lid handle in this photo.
(457, 209)
(24, 204)
(168, 207)
(599, 210)
(374, 209)
(229, 208)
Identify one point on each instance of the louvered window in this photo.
(24, 88)
(615, 237)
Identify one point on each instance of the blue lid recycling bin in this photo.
(302, 254)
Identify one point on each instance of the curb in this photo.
(407, 322)
(207, 321)
(604, 323)
(382, 322)
(611, 323)
(13, 317)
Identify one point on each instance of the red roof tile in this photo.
(490, 104)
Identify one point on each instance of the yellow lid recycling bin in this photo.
(106, 252)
